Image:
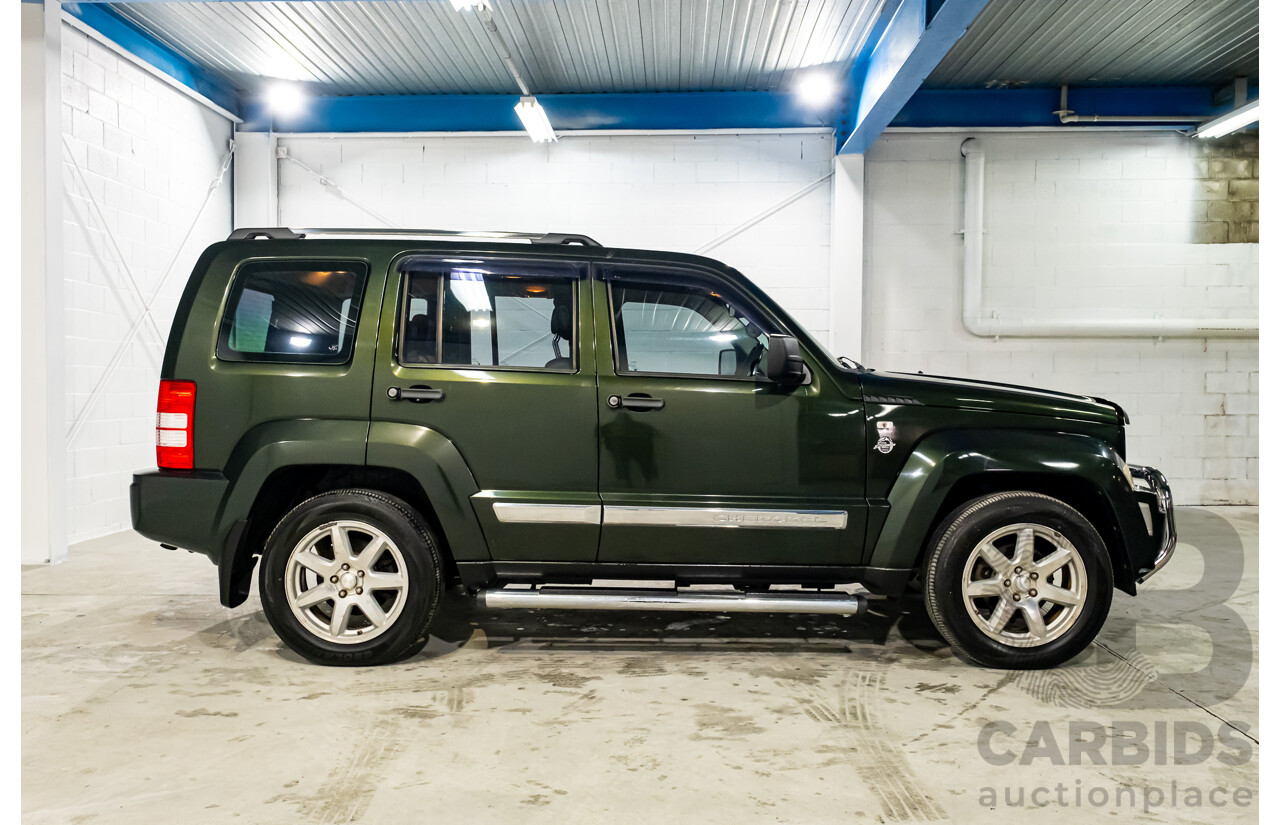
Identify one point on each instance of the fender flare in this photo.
(943, 459)
(435, 462)
(263, 450)
(426, 455)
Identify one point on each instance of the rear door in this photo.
(704, 460)
(488, 351)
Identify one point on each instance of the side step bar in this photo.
(591, 598)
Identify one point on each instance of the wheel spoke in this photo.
(341, 545)
(1000, 615)
(1035, 619)
(984, 587)
(1057, 595)
(998, 561)
(369, 555)
(1053, 562)
(1024, 553)
(341, 617)
(315, 563)
(315, 595)
(372, 610)
(384, 581)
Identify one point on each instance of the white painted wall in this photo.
(42, 526)
(1091, 225)
(148, 154)
(675, 192)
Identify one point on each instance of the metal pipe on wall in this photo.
(1066, 115)
(995, 325)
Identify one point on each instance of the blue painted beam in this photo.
(146, 48)
(1035, 107)
(496, 113)
(913, 40)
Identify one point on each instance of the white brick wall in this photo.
(148, 153)
(656, 192)
(1077, 225)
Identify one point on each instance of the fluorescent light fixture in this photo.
(816, 89)
(468, 287)
(534, 118)
(285, 99)
(463, 5)
(299, 341)
(1230, 122)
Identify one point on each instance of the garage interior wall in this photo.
(138, 160)
(1095, 225)
(654, 191)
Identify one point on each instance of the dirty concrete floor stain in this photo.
(146, 701)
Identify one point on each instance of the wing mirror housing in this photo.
(785, 364)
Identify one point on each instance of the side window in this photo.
(301, 312)
(488, 314)
(684, 330)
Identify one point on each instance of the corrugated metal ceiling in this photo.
(1104, 42)
(425, 46)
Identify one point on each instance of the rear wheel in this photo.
(351, 577)
(1017, 580)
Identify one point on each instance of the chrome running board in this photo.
(593, 598)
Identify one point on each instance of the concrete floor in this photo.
(146, 701)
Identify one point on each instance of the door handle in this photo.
(419, 394)
(639, 403)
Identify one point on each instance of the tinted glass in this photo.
(492, 316)
(297, 312)
(684, 330)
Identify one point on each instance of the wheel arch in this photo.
(950, 468)
(415, 464)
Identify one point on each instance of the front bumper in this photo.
(1152, 488)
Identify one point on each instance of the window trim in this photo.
(222, 349)
(402, 308)
(655, 275)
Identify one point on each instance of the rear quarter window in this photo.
(298, 312)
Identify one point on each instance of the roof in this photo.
(1104, 42)
(426, 47)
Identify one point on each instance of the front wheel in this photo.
(351, 577)
(1017, 580)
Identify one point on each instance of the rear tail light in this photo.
(175, 415)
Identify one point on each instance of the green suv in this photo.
(379, 415)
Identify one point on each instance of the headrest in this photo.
(562, 321)
(419, 326)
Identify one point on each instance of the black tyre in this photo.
(1017, 580)
(351, 577)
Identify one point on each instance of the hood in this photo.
(959, 393)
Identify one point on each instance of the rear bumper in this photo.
(179, 508)
(1152, 488)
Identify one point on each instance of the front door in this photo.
(488, 351)
(703, 460)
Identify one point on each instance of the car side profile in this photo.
(369, 417)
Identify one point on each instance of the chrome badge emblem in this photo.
(887, 433)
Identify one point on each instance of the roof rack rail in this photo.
(284, 233)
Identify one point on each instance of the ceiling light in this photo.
(1229, 122)
(816, 89)
(285, 99)
(463, 5)
(534, 118)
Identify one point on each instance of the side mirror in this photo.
(785, 364)
(728, 362)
